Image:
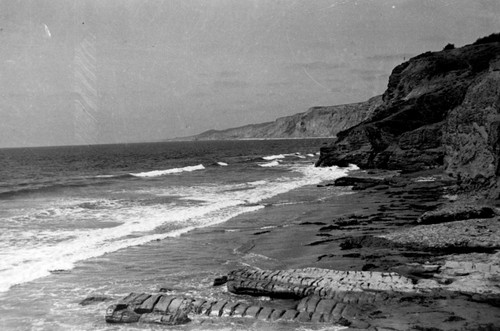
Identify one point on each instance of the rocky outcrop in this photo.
(172, 310)
(325, 283)
(147, 308)
(472, 133)
(439, 109)
(349, 298)
(320, 296)
(316, 122)
(456, 212)
(466, 235)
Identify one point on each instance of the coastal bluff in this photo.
(315, 122)
(440, 109)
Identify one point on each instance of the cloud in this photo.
(225, 84)
(317, 65)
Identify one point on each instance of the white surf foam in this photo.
(268, 227)
(37, 252)
(258, 182)
(156, 173)
(45, 251)
(269, 164)
(426, 179)
(273, 157)
(352, 167)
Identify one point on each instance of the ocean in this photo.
(105, 220)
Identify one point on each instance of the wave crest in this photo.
(270, 164)
(156, 173)
(273, 157)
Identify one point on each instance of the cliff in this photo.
(440, 109)
(315, 122)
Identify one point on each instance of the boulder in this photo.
(220, 281)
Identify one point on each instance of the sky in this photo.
(79, 72)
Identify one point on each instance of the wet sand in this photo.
(346, 232)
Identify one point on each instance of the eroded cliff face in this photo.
(472, 133)
(315, 122)
(439, 109)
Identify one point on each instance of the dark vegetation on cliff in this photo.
(440, 109)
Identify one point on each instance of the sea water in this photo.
(109, 219)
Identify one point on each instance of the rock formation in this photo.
(315, 122)
(321, 296)
(439, 109)
(472, 131)
(172, 310)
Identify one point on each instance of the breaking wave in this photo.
(61, 235)
(270, 164)
(157, 173)
(273, 157)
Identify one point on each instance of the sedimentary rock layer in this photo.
(326, 296)
(324, 283)
(315, 122)
(440, 109)
(172, 310)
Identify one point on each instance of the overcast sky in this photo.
(87, 72)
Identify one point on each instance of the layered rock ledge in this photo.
(349, 298)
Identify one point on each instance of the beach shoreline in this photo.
(345, 232)
(367, 227)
